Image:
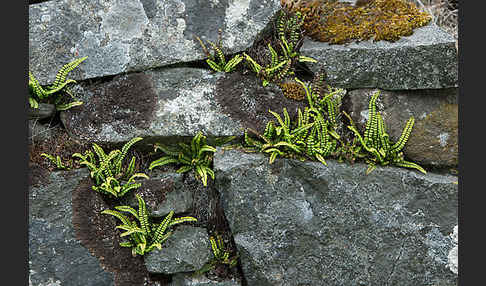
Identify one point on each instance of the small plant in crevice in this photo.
(196, 156)
(108, 171)
(217, 60)
(56, 161)
(143, 234)
(221, 255)
(54, 93)
(376, 141)
(275, 58)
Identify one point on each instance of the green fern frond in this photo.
(404, 137)
(215, 66)
(63, 72)
(230, 66)
(178, 220)
(407, 164)
(143, 215)
(61, 107)
(162, 161)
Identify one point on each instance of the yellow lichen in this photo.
(338, 22)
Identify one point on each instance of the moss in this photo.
(338, 23)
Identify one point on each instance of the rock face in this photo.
(188, 279)
(303, 223)
(434, 137)
(134, 35)
(55, 256)
(187, 249)
(173, 102)
(425, 60)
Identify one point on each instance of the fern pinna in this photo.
(143, 234)
(197, 156)
(377, 143)
(221, 255)
(107, 169)
(52, 94)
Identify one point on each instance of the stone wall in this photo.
(145, 76)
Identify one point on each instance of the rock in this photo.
(136, 35)
(434, 137)
(173, 102)
(452, 261)
(188, 279)
(55, 256)
(303, 223)
(162, 193)
(187, 249)
(425, 60)
(44, 110)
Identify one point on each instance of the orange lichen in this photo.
(337, 22)
(292, 89)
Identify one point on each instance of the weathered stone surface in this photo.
(303, 223)
(188, 279)
(187, 249)
(425, 60)
(434, 137)
(173, 102)
(162, 193)
(134, 35)
(43, 111)
(55, 256)
(454, 252)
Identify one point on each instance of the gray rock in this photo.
(434, 137)
(303, 223)
(187, 249)
(133, 35)
(425, 60)
(173, 102)
(188, 279)
(44, 110)
(162, 193)
(55, 256)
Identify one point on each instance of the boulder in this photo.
(425, 60)
(187, 249)
(303, 223)
(55, 256)
(434, 137)
(135, 35)
(173, 102)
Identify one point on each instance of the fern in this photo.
(219, 64)
(221, 255)
(107, 169)
(52, 94)
(376, 142)
(197, 157)
(56, 161)
(143, 234)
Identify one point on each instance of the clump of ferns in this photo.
(54, 93)
(217, 60)
(143, 234)
(196, 156)
(110, 173)
(222, 255)
(376, 141)
(282, 55)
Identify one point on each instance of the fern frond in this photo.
(61, 107)
(143, 215)
(162, 161)
(219, 53)
(404, 137)
(63, 72)
(215, 66)
(118, 215)
(129, 210)
(230, 66)
(408, 164)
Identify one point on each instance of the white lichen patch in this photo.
(364, 115)
(443, 137)
(452, 258)
(125, 20)
(234, 15)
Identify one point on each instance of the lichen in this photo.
(337, 22)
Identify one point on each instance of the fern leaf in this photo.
(118, 215)
(214, 65)
(158, 234)
(219, 53)
(63, 72)
(233, 63)
(181, 220)
(255, 66)
(143, 215)
(407, 164)
(61, 107)
(129, 210)
(404, 137)
(307, 59)
(33, 103)
(36, 87)
(162, 161)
